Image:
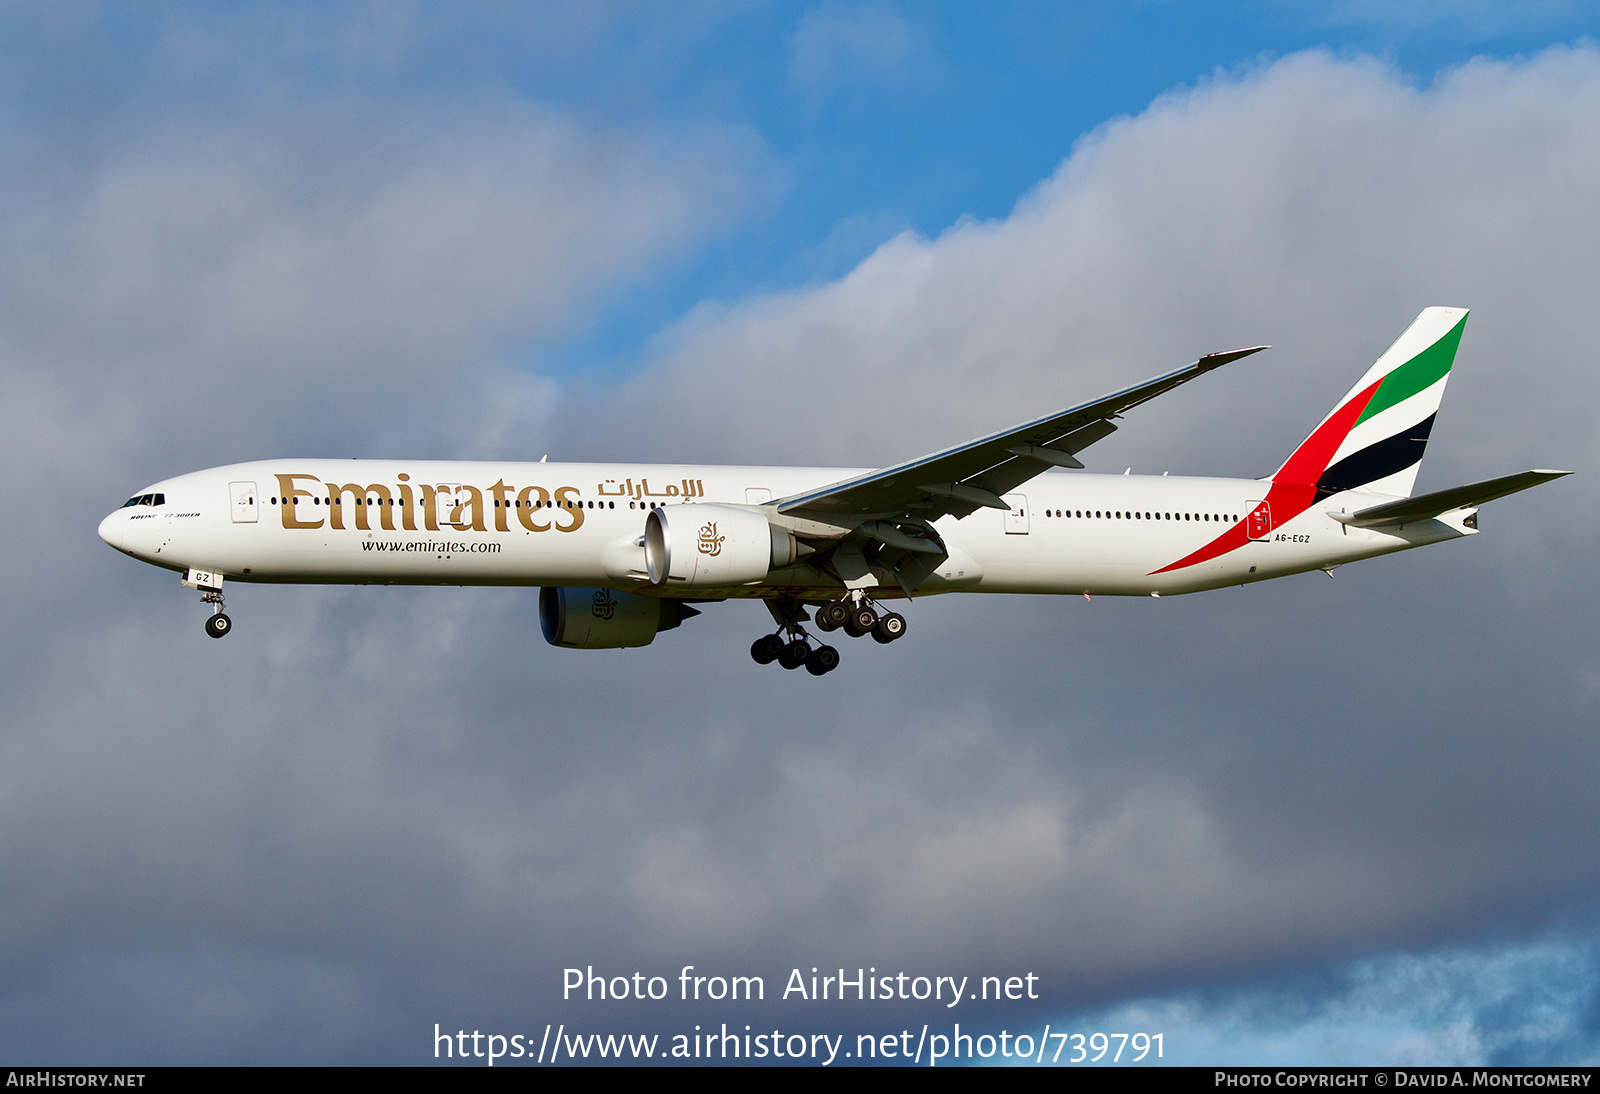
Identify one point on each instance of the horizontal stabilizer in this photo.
(1431, 505)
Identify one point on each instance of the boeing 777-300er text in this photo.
(622, 552)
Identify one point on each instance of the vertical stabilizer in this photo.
(1374, 439)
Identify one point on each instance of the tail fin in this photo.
(1374, 438)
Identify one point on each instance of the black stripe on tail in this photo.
(1377, 461)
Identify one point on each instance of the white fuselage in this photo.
(435, 523)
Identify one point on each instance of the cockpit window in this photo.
(146, 499)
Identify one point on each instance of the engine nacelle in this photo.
(705, 545)
(602, 619)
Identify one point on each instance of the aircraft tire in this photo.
(218, 625)
(889, 628)
(765, 650)
(860, 622)
(823, 659)
(832, 615)
(794, 654)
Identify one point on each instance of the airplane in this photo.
(622, 552)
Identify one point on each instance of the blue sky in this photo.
(825, 233)
(1505, 1004)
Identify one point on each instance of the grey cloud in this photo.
(316, 266)
(336, 279)
(403, 799)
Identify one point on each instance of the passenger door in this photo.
(445, 499)
(1259, 523)
(243, 495)
(1017, 515)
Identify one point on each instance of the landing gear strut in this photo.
(859, 618)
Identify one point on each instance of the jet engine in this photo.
(703, 545)
(603, 619)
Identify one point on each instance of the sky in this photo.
(1308, 821)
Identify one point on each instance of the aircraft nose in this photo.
(111, 529)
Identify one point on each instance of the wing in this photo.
(960, 480)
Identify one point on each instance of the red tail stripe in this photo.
(1311, 459)
(1285, 501)
(1294, 487)
(1231, 540)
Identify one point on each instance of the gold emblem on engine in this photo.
(605, 605)
(710, 542)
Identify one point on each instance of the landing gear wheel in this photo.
(794, 654)
(765, 650)
(218, 625)
(832, 616)
(860, 621)
(889, 628)
(821, 660)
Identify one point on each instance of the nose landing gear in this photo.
(218, 624)
(210, 586)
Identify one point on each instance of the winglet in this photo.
(1217, 360)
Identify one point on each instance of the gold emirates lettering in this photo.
(331, 503)
(710, 542)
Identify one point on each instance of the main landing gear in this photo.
(860, 620)
(791, 647)
(792, 652)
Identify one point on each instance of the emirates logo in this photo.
(710, 542)
(604, 605)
